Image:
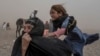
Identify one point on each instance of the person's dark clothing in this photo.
(40, 46)
(58, 23)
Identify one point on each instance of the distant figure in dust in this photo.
(19, 24)
(46, 25)
(4, 26)
(8, 26)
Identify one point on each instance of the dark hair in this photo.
(32, 22)
(38, 27)
(59, 8)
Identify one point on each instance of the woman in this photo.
(31, 43)
(60, 25)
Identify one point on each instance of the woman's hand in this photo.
(26, 37)
(25, 43)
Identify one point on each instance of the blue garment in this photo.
(76, 39)
(77, 43)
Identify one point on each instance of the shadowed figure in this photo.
(19, 25)
(33, 14)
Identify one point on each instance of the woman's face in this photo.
(54, 14)
(27, 28)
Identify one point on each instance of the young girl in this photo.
(76, 39)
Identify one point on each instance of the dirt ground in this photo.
(7, 39)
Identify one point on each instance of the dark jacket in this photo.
(40, 46)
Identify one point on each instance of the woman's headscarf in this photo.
(38, 28)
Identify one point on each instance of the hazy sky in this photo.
(86, 12)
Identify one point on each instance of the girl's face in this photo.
(27, 28)
(54, 14)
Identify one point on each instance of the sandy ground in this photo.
(7, 39)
